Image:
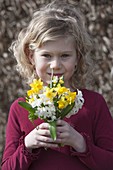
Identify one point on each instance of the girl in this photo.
(56, 39)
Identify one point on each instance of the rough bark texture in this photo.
(14, 14)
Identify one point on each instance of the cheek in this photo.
(39, 64)
(41, 69)
(71, 66)
(40, 72)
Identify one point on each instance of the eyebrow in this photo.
(46, 51)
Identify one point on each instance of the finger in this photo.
(45, 139)
(48, 145)
(37, 128)
(64, 128)
(44, 126)
(64, 135)
(60, 122)
(43, 132)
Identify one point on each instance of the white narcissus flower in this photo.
(36, 102)
(47, 111)
(55, 79)
(39, 101)
(78, 104)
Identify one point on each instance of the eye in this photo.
(48, 56)
(65, 56)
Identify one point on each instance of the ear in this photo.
(29, 55)
(31, 58)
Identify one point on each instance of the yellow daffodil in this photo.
(60, 90)
(71, 97)
(50, 93)
(30, 92)
(62, 103)
(31, 100)
(61, 81)
(37, 85)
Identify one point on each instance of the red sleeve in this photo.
(99, 155)
(16, 156)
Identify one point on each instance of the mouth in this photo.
(56, 74)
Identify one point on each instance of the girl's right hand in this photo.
(39, 137)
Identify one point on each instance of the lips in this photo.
(56, 74)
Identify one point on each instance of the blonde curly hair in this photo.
(56, 20)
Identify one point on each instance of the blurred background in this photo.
(14, 14)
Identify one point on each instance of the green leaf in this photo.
(27, 106)
(32, 117)
(66, 110)
(52, 129)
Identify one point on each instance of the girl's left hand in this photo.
(67, 135)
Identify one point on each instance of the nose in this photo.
(55, 63)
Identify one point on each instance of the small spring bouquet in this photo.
(52, 102)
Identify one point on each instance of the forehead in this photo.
(63, 43)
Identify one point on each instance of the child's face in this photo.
(59, 55)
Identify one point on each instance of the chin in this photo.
(66, 85)
(46, 83)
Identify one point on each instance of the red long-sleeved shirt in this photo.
(93, 121)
